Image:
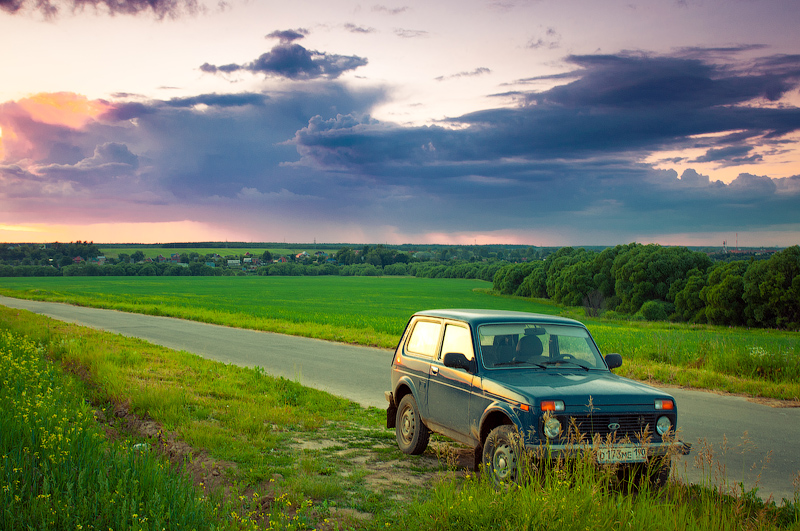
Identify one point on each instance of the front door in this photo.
(450, 390)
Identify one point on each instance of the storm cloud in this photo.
(617, 105)
(569, 159)
(292, 61)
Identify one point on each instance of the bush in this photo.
(395, 269)
(656, 310)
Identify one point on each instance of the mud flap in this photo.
(391, 411)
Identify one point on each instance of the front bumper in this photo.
(639, 451)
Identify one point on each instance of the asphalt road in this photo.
(750, 443)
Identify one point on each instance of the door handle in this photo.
(434, 370)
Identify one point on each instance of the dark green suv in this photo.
(499, 381)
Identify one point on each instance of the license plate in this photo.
(621, 454)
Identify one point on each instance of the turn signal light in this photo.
(665, 404)
(552, 405)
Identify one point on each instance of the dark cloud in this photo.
(127, 111)
(631, 81)
(729, 155)
(287, 36)
(293, 61)
(225, 69)
(753, 186)
(219, 100)
(568, 150)
(51, 8)
(110, 160)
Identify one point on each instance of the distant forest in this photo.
(648, 282)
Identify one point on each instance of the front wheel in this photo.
(504, 455)
(411, 433)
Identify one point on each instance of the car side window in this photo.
(424, 338)
(457, 339)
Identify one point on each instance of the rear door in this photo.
(419, 352)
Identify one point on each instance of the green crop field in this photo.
(369, 304)
(374, 310)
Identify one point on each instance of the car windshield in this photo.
(526, 345)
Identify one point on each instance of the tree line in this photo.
(665, 283)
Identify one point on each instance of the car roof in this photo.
(478, 317)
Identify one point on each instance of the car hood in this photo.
(575, 388)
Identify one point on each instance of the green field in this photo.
(267, 453)
(374, 311)
(374, 307)
(253, 452)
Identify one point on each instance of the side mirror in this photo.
(457, 360)
(613, 361)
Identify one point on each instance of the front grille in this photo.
(617, 426)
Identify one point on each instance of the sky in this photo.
(533, 122)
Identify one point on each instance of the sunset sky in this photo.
(538, 122)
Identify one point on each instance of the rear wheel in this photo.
(503, 455)
(411, 433)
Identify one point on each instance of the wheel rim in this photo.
(504, 462)
(407, 424)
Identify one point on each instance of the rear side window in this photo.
(424, 338)
(457, 339)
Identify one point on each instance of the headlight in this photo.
(552, 428)
(663, 425)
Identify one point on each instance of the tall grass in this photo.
(235, 415)
(60, 472)
(577, 495)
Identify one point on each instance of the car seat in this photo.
(529, 349)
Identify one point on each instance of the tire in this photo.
(411, 433)
(504, 455)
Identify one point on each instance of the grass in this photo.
(363, 310)
(580, 497)
(60, 472)
(285, 456)
(374, 311)
(755, 362)
(240, 422)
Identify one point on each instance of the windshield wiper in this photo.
(519, 362)
(558, 362)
